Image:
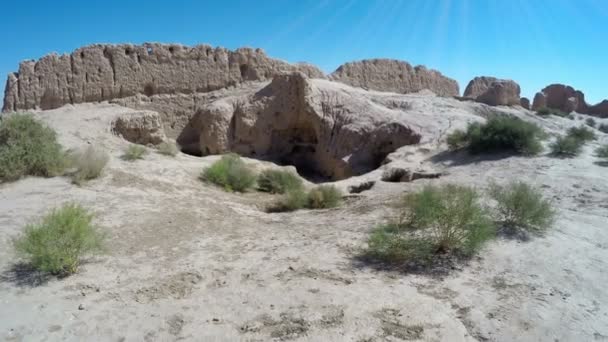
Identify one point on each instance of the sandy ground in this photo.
(187, 261)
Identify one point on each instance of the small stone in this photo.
(81, 307)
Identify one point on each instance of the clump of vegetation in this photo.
(134, 152)
(291, 201)
(571, 116)
(521, 207)
(501, 133)
(279, 181)
(590, 122)
(60, 240)
(602, 151)
(167, 148)
(603, 128)
(88, 163)
(321, 197)
(582, 133)
(566, 146)
(545, 111)
(324, 196)
(447, 219)
(231, 173)
(28, 148)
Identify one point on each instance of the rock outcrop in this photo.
(144, 127)
(104, 72)
(561, 97)
(493, 91)
(394, 76)
(318, 129)
(524, 102)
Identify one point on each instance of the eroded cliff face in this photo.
(394, 76)
(104, 72)
(317, 128)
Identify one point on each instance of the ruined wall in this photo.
(394, 76)
(104, 72)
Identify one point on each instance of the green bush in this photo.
(231, 173)
(27, 147)
(544, 111)
(167, 148)
(324, 196)
(566, 146)
(134, 152)
(522, 207)
(291, 201)
(603, 128)
(501, 133)
(435, 220)
(60, 240)
(88, 164)
(590, 122)
(602, 151)
(581, 133)
(278, 181)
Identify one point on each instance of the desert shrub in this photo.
(436, 220)
(501, 133)
(134, 152)
(278, 181)
(544, 111)
(167, 148)
(388, 244)
(590, 122)
(231, 173)
(602, 151)
(27, 147)
(290, 201)
(566, 146)
(581, 133)
(60, 240)
(522, 207)
(324, 196)
(571, 116)
(603, 128)
(88, 164)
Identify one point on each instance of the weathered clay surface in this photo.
(493, 91)
(144, 127)
(318, 129)
(103, 72)
(394, 76)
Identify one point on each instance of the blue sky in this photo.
(534, 42)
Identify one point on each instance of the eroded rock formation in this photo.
(394, 76)
(525, 102)
(314, 127)
(104, 72)
(493, 91)
(143, 127)
(568, 99)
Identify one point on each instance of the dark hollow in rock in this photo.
(356, 189)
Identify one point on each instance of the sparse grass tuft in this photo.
(167, 148)
(550, 111)
(60, 240)
(591, 122)
(231, 173)
(28, 148)
(602, 151)
(88, 163)
(278, 181)
(291, 201)
(566, 146)
(502, 133)
(134, 152)
(324, 196)
(522, 207)
(435, 220)
(581, 133)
